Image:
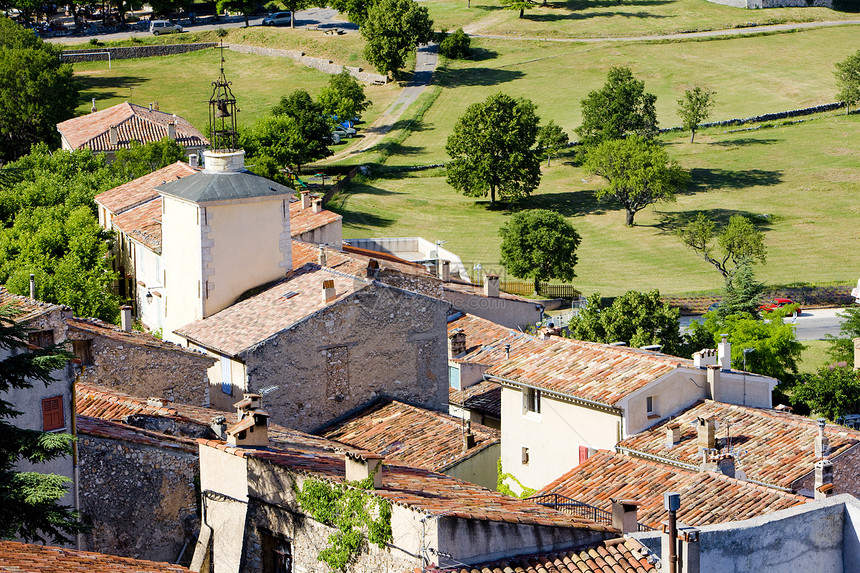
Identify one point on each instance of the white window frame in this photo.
(531, 401)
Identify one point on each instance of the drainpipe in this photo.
(76, 468)
(672, 502)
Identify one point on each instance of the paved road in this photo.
(811, 324)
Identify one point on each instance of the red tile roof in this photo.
(27, 558)
(304, 220)
(98, 327)
(251, 321)
(25, 308)
(134, 123)
(142, 190)
(417, 488)
(485, 397)
(590, 370)
(354, 261)
(467, 288)
(611, 556)
(143, 224)
(409, 434)
(706, 497)
(773, 447)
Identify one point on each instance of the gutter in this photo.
(600, 406)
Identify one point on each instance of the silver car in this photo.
(278, 19)
(163, 27)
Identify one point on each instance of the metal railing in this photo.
(570, 506)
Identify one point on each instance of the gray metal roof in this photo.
(203, 187)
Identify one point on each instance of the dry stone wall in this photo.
(97, 54)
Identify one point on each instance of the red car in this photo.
(776, 303)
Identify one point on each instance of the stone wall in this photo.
(91, 55)
(846, 475)
(321, 64)
(140, 498)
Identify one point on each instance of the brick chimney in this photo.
(316, 205)
(705, 357)
(445, 271)
(125, 319)
(491, 285)
(715, 387)
(328, 292)
(625, 515)
(361, 465)
(707, 433)
(724, 352)
(113, 135)
(673, 434)
(306, 199)
(252, 429)
(823, 479)
(171, 129)
(822, 444)
(456, 343)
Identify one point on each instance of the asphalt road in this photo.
(811, 324)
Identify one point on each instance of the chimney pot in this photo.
(625, 515)
(33, 286)
(491, 285)
(507, 350)
(445, 271)
(193, 160)
(724, 351)
(322, 257)
(456, 343)
(306, 199)
(822, 444)
(373, 268)
(125, 318)
(468, 437)
(113, 135)
(316, 205)
(171, 130)
(328, 291)
(361, 465)
(726, 465)
(94, 108)
(707, 433)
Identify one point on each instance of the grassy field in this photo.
(182, 84)
(750, 75)
(613, 18)
(798, 182)
(814, 356)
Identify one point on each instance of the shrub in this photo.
(456, 46)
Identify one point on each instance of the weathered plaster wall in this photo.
(140, 499)
(379, 341)
(480, 469)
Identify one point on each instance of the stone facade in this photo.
(846, 475)
(97, 54)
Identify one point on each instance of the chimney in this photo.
(171, 130)
(724, 352)
(362, 465)
(316, 205)
(306, 199)
(707, 434)
(125, 318)
(715, 388)
(113, 135)
(468, 437)
(822, 445)
(726, 465)
(856, 353)
(624, 515)
(372, 268)
(252, 429)
(322, 256)
(507, 350)
(823, 479)
(150, 106)
(456, 343)
(673, 434)
(94, 108)
(704, 357)
(156, 402)
(193, 160)
(445, 271)
(219, 426)
(491, 285)
(328, 292)
(33, 286)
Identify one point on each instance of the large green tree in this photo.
(314, 129)
(620, 108)
(639, 173)
(343, 97)
(694, 108)
(393, 29)
(277, 137)
(725, 248)
(29, 501)
(848, 80)
(492, 149)
(355, 10)
(551, 139)
(832, 391)
(842, 346)
(539, 244)
(37, 91)
(742, 292)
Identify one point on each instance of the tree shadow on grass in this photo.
(743, 142)
(480, 77)
(569, 203)
(581, 16)
(706, 179)
(671, 221)
(481, 55)
(106, 87)
(575, 5)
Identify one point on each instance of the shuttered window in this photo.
(52, 414)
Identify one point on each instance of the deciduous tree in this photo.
(492, 149)
(551, 139)
(309, 117)
(694, 108)
(393, 30)
(456, 46)
(842, 346)
(725, 248)
(848, 80)
(343, 97)
(620, 108)
(832, 391)
(356, 10)
(520, 5)
(639, 173)
(539, 244)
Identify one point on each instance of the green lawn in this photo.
(799, 182)
(613, 18)
(814, 356)
(749, 75)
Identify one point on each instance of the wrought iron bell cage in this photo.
(222, 113)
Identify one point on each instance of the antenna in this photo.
(269, 389)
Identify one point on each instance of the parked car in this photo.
(776, 303)
(163, 27)
(278, 19)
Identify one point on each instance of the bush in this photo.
(94, 41)
(456, 46)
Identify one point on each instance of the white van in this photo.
(163, 27)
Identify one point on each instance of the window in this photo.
(277, 553)
(52, 414)
(531, 400)
(651, 407)
(41, 338)
(83, 351)
(454, 377)
(525, 455)
(226, 376)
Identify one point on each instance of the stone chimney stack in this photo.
(456, 343)
(316, 205)
(625, 515)
(704, 357)
(491, 285)
(32, 286)
(724, 351)
(171, 129)
(707, 433)
(468, 437)
(113, 135)
(362, 465)
(252, 429)
(328, 292)
(726, 465)
(715, 388)
(193, 160)
(823, 479)
(445, 271)
(822, 444)
(125, 318)
(673, 434)
(322, 256)
(306, 199)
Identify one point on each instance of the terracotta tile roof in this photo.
(611, 556)
(485, 397)
(28, 558)
(142, 190)
(590, 370)
(143, 224)
(354, 261)
(251, 321)
(24, 307)
(98, 327)
(773, 447)
(134, 123)
(706, 497)
(416, 488)
(304, 220)
(467, 288)
(120, 431)
(409, 434)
